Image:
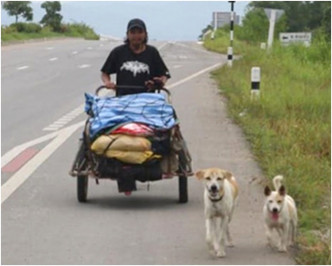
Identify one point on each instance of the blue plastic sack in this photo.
(151, 109)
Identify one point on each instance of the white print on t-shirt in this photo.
(136, 67)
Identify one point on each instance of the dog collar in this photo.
(216, 200)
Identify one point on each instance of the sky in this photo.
(165, 20)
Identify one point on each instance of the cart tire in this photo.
(82, 188)
(183, 189)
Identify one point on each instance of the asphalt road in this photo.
(42, 88)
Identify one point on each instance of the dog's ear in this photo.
(267, 191)
(200, 174)
(228, 175)
(282, 190)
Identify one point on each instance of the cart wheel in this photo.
(183, 189)
(82, 188)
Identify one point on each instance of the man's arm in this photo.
(106, 78)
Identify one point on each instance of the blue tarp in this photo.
(151, 109)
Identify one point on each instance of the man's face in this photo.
(136, 36)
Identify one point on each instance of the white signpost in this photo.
(273, 15)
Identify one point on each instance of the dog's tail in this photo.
(277, 181)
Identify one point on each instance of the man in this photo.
(135, 63)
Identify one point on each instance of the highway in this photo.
(42, 106)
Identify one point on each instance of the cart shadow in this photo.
(133, 202)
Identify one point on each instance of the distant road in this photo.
(43, 87)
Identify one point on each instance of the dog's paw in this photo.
(209, 244)
(220, 254)
(230, 244)
(291, 244)
(282, 249)
(269, 243)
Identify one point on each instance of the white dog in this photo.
(220, 195)
(280, 213)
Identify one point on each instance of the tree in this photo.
(205, 30)
(52, 18)
(300, 15)
(326, 21)
(255, 26)
(18, 8)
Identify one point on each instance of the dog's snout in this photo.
(214, 188)
(274, 210)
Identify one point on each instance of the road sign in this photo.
(273, 15)
(278, 12)
(287, 38)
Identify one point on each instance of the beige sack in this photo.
(120, 143)
(127, 149)
(134, 157)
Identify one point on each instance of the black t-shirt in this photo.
(134, 69)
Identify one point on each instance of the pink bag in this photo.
(136, 129)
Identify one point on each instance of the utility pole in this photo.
(215, 25)
(230, 49)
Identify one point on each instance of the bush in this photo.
(26, 27)
(22, 31)
(7, 30)
(80, 30)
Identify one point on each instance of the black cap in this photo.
(136, 23)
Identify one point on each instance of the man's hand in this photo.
(160, 80)
(110, 85)
(156, 82)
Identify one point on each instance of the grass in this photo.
(289, 128)
(27, 31)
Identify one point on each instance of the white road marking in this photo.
(10, 155)
(74, 52)
(194, 75)
(65, 119)
(53, 59)
(25, 172)
(193, 48)
(52, 128)
(49, 48)
(162, 46)
(177, 66)
(84, 66)
(22, 67)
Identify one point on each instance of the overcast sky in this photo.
(165, 20)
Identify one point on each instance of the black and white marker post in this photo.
(230, 49)
(255, 82)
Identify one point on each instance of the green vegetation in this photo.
(26, 31)
(52, 18)
(18, 8)
(289, 126)
(50, 25)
